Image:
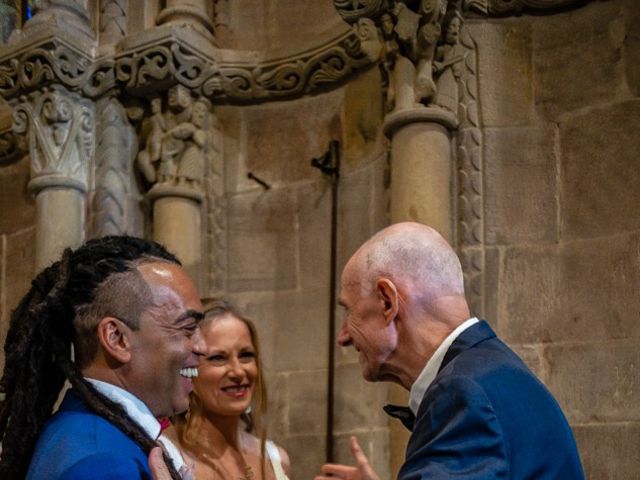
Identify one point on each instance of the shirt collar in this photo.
(134, 407)
(430, 370)
(139, 413)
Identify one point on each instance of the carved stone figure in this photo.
(175, 142)
(192, 160)
(448, 63)
(150, 155)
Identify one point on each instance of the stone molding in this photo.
(173, 55)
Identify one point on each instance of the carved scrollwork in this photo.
(54, 63)
(291, 77)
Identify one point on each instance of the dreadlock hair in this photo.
(254, 418)
(56, 320)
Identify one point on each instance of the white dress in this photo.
(276, 461)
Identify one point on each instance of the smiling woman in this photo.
(223, 435)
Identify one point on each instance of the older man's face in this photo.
(365, 327)
(166, 344)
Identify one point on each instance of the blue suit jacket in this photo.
(486, 416)
(77, 444)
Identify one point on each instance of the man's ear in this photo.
(114, 337)
(388, 295)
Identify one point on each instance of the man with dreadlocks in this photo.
(117, 318)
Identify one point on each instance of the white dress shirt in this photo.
(430, 370)
(139, 413)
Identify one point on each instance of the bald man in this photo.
(475, 411)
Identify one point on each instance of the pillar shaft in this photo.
(60, 220)
(177, 225)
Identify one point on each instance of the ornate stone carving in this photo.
(60, 136)
(176, 141)
(54, 62)
(11, 145)
(470, 172)
(237, 82)
(113, 20)
(216, 220)
(116, 152)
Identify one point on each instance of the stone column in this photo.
(187, 12)
(59, 127)
(421, 167)
(177, 224)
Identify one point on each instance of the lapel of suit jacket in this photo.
(467, 339)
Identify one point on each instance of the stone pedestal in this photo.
(177, 221)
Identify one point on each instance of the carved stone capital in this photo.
(59, 131)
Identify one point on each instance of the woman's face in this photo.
(228, 370)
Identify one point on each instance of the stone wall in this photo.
(561, 116)
(559, 111)
(278, 256)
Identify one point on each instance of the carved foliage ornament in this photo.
(59, 131)
(54, 62)
(241, 83)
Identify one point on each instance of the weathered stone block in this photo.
(374, 443)
(520, 176)
(358, 403)
(598, 297)
(354, 213)
(577, 58)
(632, 45)
(314, 223)
(262, 25)
(278, 406)
(506, 88)
(596, 382)
(281, 138)
(556, 294)
(18, 205)
(609, 451)
(296, 324)
(529, 286)
(307, 402)
(362, 124)
(600, 174)
(307, 454)
(261, 247)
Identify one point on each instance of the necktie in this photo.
(404, 414)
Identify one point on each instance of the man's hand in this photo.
(159, 469)
(362, 470)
